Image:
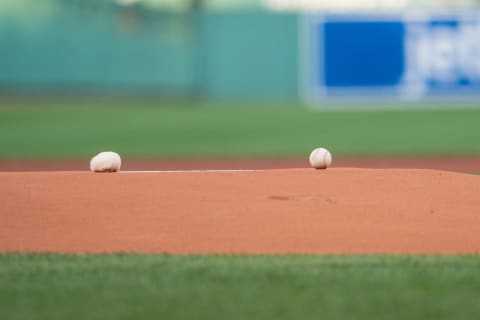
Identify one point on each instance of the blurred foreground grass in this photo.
(132, 286)
(223, 131)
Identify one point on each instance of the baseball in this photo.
(107, 161)
(320, 158)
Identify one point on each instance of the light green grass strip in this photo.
(234, 287)
(170, 131)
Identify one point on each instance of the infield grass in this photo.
(116, 287)
(170, 130)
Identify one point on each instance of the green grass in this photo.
(178, 131)
(233, 287)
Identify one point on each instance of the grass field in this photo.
(179, 131)
(44, 286)
(229, 287)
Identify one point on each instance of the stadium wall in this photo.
(113, 49)
(106, 47)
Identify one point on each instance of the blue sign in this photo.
(405, 56)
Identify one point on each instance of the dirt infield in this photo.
(334, 211)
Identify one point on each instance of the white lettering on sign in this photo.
(441, 54)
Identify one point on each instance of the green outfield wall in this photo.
(251, 54)
(103, 47)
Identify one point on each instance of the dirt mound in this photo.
(334, 211)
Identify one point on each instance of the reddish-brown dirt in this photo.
(334, 211)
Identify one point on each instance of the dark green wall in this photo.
(101, 49)
(218, 55)
(252, 55)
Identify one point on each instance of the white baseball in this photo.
(320, 158)
(106, 161)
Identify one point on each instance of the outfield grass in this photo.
(232, 287)
(180, 131)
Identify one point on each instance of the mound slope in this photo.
(301, 211)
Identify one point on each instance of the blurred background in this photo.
(180, 82)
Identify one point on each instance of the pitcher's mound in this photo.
(335, 211)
